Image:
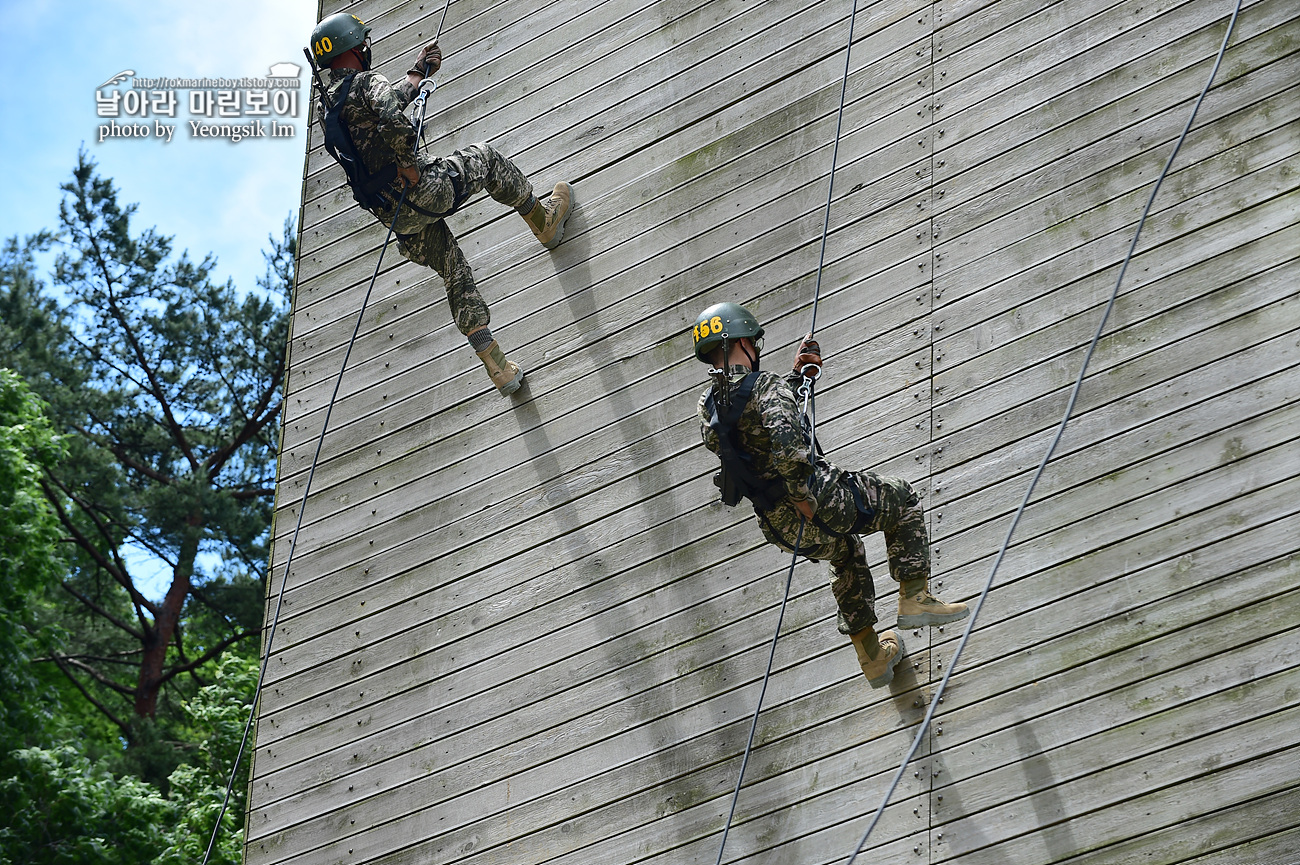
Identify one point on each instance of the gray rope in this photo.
(753, 725)
(1069, 409)
(302, 507)
(809, 415)
(835, 155)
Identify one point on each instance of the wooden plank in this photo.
(1053, 374)
(641, 65)
(528, 631)
(966, 456)
(1165, 541)
(1250, 769)
(398, 492)
(1144, 707)
(1019, 82)
(343, 645)
(527, 752)
(972, 548)
(983, 676)
(1102, 475)
(1093, 241)
(1261, 815)
(1098, 139)
(615, 259)
(1076, 772)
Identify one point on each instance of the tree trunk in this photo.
(159, 637)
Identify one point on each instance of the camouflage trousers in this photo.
(423, 236)
(897, 513)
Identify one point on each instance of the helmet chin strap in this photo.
(753, 359)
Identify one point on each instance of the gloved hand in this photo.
(431, 55)
(409, 176)
(809, 352)
(806, 507)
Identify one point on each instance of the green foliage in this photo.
(29, 555)
(166, 386)
(61, 809)
(142, 416)
(218, 713)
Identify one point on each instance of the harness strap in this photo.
(738, 477)
(459, 195)
(371, 191)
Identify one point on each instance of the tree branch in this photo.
(207, 656)
(116, 569)
(99, 677)
(119, 451)
(246, 434)
(119, 658)
(126, 730)
(100, 611)
(155, 387)
(258, 493)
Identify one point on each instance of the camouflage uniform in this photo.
(384, 135)
(771, 432)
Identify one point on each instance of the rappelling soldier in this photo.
(376, 144)
(751, 419)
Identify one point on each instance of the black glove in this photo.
(428, 61)
(809, 352)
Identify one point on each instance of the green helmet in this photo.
(723, 321)
(336, 35)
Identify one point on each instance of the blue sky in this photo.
(212, 196)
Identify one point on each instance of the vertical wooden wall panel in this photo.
(526, 631)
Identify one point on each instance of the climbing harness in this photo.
(1069, 409)
(374, 191)
(811, 373)
(302, 507)
(737, 478)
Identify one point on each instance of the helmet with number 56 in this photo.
(723, 321)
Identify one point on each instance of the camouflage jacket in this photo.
(373, 114)
(771, 432)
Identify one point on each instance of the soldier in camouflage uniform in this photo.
(834, 506)
(384, 138)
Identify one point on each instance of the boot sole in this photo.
(559, 229)
(931, 619)
(888, 676)
(513, 385)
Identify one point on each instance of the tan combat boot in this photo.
(547, 218)
(878, 655)
(917, 607)
(505, 374)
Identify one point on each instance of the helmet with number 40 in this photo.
(336, 35)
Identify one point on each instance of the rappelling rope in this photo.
(809, 416)
(431, 80)
(1074, 394)
(835, 155)
(311, 474)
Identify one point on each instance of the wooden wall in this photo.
(525, 631)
